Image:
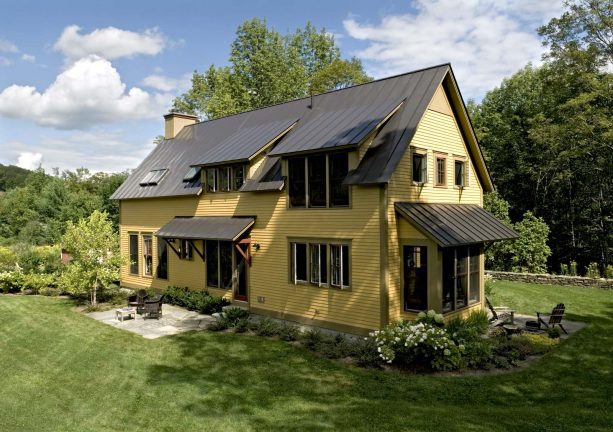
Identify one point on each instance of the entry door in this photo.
(241, 274)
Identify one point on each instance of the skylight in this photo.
(191, 174)
(153, 177)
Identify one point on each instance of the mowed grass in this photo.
(62, 371)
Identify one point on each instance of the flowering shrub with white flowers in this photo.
(424, 341)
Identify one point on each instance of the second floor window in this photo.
(317, 181)
(441, 171)
(460, 173)
(419, 168)
(225, 178)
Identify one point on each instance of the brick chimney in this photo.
(174, 122)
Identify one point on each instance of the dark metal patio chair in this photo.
(153, 307)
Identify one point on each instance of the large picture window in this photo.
(147, 255)
(134, 261)
(162, 267)
(461, 277)
(320, 263)
(317, 181)
(415, 277)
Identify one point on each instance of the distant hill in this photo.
(12, 176)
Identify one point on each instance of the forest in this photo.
(546, 132)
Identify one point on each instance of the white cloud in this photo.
(110, 43)
(165, 83)
(8, 46)
(485, 41)
(5, 62)
(29, 160)
(89, 92)
(28, 58)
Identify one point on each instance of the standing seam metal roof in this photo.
(455, 224)
(206, 227)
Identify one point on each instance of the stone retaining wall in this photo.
(551, 279)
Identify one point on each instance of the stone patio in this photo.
(174, 320)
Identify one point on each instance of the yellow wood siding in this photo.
(269, 274)
(437, 133)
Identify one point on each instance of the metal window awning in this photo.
(226, 228)
(455, 224)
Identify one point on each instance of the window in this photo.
(319, 263)
(460, 173)
(147, 255)
(441, 171)
(299, 262)
(238, 177)
(461, 277)
(415, 277)
(211, 180)
(191, 175)
(219, 264)
(212, 263)
(475, 274)
(419, 168)
(134, 254)
(153, 177)
(162, 268)
(338, 168)
(224, 178)
(317, 181)
(297, 181)
(339, 266)
(185, 250)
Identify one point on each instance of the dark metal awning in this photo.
(206, 227)
(455, 224)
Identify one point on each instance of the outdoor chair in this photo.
(138, 301)
(500, 314)
(153, 307)
(555, 318)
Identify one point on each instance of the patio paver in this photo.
(174, 320)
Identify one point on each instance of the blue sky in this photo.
(86, 83)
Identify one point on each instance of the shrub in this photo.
(334, 347)
(200, 301)
(593, 271)
(469, 329)
(51, 292)
(564, 269)
(536, 344)
(553, 332)
(10, 281)
(572, 268)
(288, 332)
(477, 353)
(365, 353)
(608, 271)
(424, 343)
(235, 314)
(34, 282)
(219, 324)
(8, 259)
(242, 325)
(489, 285)
(431, 317)
(265, 327)
(311, 339)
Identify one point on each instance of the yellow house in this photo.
(347, 210)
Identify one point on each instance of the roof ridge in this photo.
(324, 93)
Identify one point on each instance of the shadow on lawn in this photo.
(273, 386)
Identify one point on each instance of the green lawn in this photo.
(63, 371)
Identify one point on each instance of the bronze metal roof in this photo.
(206, 227)
(455, 224)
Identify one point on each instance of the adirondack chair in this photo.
(153, 307)
(138, 301)
(500, 314)
(555, 318)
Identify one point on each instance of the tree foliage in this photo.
(547, 133)
(96, 259)
(37, 212)
(266, 68)
(11, 176)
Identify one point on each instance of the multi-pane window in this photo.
(134, 261)
(147, 255)
(186, 252)
(152, 178)
(317, 181)
(339, 265)
(320, 263)
(219, 264)
(460, 173)
(415, 277)
(225, 178)
(461, 277)
(162, 267)
(419, 168)
(441, 171)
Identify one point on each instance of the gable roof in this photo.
(337, 119)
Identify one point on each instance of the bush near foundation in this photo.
(200, 301)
